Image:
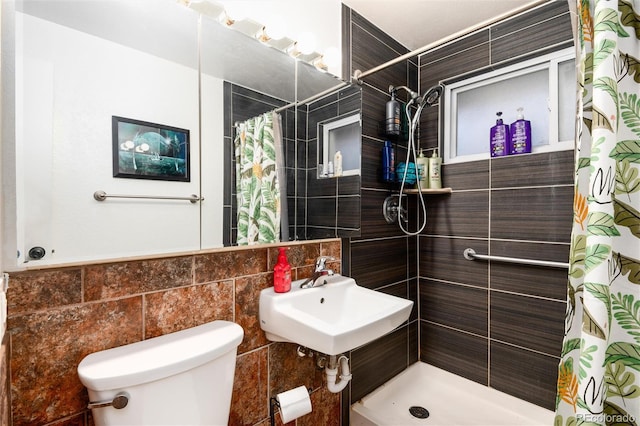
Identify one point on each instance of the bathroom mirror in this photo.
(80, 63)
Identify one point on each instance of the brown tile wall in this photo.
(495, 323)
(5, 409)
(58, 316)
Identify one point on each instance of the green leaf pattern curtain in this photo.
(257, 185)
(599, 369)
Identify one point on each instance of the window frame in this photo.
(549, 61)
(324, 142)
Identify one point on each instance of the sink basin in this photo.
(333, 318)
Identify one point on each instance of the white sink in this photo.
(333, 318)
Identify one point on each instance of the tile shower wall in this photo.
(381, 258)
(59, 315)
(495, 323)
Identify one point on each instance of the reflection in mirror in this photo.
(81, 63)
(331, 206)
(339, 146)
(78, 64)
(315, 209)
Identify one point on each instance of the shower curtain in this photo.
(599, 369)
(260, 182)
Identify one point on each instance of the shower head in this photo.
(431, 95)
(426, 100)
(414, 96)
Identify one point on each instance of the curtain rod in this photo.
(309, 99)
(359, 75)
(312, 98)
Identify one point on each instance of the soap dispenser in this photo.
(499, 138)
(520, 135)
(282, 272)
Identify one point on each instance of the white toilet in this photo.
(182, 378)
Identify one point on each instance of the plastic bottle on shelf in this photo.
(388, 162)
(337, 164)
(423, 170)
(520, 135)
(435, 164)
(499, 138)
(393, 121)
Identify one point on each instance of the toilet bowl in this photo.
(182, 378)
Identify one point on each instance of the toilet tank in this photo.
(182, 378)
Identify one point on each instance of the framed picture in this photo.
(143, 150)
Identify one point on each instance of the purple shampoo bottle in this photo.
(499, 138)
(520, 135)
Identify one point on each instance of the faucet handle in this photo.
(321, 262)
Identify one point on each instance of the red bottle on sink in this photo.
(282, 273)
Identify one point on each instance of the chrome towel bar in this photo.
(470, 254)
(101, 196)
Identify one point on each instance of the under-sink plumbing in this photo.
(334, 365)
(332, 372)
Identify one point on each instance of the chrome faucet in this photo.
(321, 269)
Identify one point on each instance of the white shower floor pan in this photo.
(450, 400)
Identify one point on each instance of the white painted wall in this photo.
(69, 86)
(7, 132)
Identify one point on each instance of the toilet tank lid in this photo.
(159, 357)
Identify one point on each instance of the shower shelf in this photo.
(428, 191)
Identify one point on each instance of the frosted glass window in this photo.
(566, 100)
(346, 139)
(476, 112)
(342, 135)
(543, 86)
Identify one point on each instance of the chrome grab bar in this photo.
(470, 254)
(101, 196)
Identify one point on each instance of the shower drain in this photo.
(419, 412)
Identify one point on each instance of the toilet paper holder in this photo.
(273, 403)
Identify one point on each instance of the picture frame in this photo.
(144, 150)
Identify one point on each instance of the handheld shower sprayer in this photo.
(432, 95)
(428, 99)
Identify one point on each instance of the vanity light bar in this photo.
(254, 29)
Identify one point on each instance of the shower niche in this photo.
(339, 146)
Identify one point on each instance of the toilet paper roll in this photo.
(294, 403)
